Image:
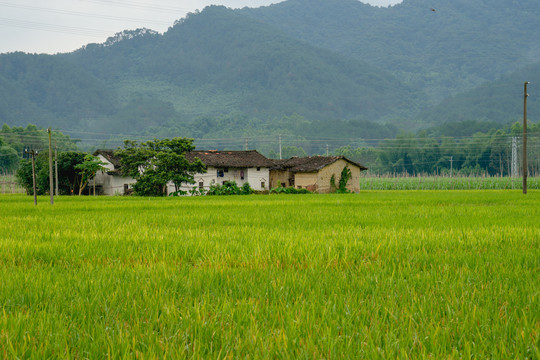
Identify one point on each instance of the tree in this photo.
(154, 163)
(88, 169)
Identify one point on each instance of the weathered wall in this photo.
(325, 174)
(278, 177)
(306, 181)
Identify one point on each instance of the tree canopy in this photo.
(157, 162)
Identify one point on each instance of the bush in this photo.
(289, 190)
(230, 188)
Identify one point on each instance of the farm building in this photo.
(315, 173)
(238, 166)
(110, 182)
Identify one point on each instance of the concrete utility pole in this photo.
(51, 180)
(525, 165)
(279, 146)
(33, 153)
(56, 167)
(514, 169)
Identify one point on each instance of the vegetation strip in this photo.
(376, 275)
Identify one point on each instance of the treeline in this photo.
(480, 154)
(14, 141)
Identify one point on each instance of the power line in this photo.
(82, 14)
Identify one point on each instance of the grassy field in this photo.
(446, 183)
(401, 274)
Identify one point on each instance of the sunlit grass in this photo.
(375, 275)
(446, 183)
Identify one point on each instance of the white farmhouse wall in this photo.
(239, 175)
(111, 184)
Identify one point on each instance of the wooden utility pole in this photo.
(51, 180)
(33, 153)
(56, 167)
(525, 164)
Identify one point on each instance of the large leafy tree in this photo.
(155, 163)
(88, 169)
(68, 174)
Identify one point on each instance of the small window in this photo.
(201, 184)
(258, 169)
(220, 173)
(242, 174)
(226, 170)
(263, 185)
(126, 187)
(282, 184)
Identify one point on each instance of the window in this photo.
(282, 184)
(226, 170)
(220, 173)
(126, 187)
(263, 185)
(201, 184)
(242, 174)
(258, 169)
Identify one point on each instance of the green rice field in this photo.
(446, 183)
(380, 274)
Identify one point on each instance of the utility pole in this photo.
(246, 144)
(525, 165)
(326, 149)
(33, 153)
(56, 166)
(451, 166)
(514, 169)
(279, 146)
(51, 180)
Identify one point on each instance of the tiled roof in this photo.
(311, 163)
(233, 159)
(109, 155)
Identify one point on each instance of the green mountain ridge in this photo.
(460, 45)
(329, 66)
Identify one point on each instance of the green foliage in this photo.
(229, 188)
(68, 173)
(289, 190)
(88, 169)
(154, 163)
(344, 179)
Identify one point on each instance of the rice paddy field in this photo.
(446, 183)
(380, 274)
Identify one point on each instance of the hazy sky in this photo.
(52, 26)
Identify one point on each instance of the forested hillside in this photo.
(207, 64)
(500, 101)
(461, 44)
(334, 68)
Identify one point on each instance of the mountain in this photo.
(460, 45)
(207, 64)
(500, 101)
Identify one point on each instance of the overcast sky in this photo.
(52, 26)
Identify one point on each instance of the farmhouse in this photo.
(315, 173)
(238, 166)
(111, 182)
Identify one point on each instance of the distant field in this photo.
(9, 185)
(382, 274)
(446, 183)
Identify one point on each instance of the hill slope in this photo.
(460, 45)
(209, 63)
(500, 101)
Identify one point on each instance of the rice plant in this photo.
(382, 274)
